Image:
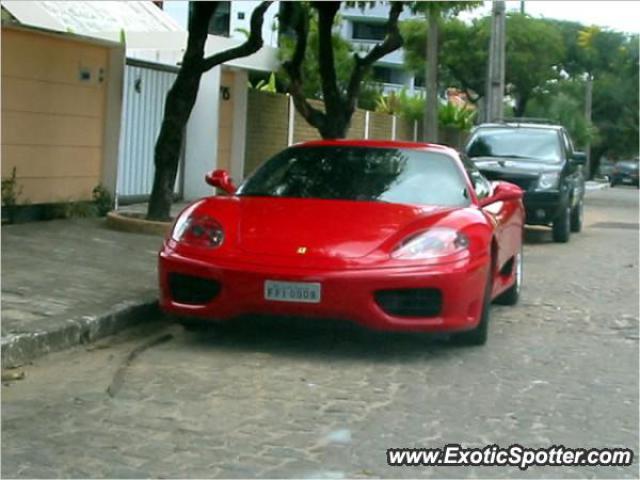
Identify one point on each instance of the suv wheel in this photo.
(576, 217)
(561, 226)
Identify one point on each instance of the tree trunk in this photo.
(520, 106)
(180, 101)
(182, 97)
(431, 75)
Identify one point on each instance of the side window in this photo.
(481, 185)
(568, 146)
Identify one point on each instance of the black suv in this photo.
(539, 158)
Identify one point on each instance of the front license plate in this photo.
(292, 291)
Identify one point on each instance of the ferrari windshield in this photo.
(393, 175)
(528, 143)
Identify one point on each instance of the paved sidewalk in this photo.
(592, 185)
(66, 282)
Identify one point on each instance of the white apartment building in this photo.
(362, 27)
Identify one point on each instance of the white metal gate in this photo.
(145, 90)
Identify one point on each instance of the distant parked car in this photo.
(625, 172)
(392, 235)
(605, 167)
(539, 158)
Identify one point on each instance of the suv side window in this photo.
(568, 146)
(481, 185)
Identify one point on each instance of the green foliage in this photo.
(411, 107)
(10, 190)
(563, 102)
(75, 210)
(266, 86)
(534, 51)
(102, 199)
(444, 9)
(459, 66)
(540, 55)
(343, 52)
(453, 116)
(404, 104)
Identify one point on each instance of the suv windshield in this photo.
(531, 143)
(360, 173)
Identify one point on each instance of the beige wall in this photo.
(53, 123)
(225, 126)
(268, 127)
(267, 123)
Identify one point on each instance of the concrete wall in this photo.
(59, 123)
(269, 121)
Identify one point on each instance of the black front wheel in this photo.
(577, 216)
(562, 226)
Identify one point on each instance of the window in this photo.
(568, 146)
(240, 15)
(536, 144)
(369, 31)
(481, 185)
(382, 74)
(394, 175)
(221, 19)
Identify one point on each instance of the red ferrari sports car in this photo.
(391, 235)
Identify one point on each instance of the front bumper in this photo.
(542, 208)
(346, 294)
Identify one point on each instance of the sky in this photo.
(617, 15)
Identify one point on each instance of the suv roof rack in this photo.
(545, 121)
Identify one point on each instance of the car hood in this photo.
(522, 172)
(514, 166)
(323, 228)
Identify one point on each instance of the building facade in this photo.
(364, 28)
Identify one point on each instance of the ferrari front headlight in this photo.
(434, 243)
(200, 231)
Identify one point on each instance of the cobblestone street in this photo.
(323, 400)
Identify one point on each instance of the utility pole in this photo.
(522, 7)
(587, 114)
(494, 110)
(431, 77)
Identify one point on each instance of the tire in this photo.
(577, 216)
(562, 226)
(612, 184)
(512, 294)
(478, 336)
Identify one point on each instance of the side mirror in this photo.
(579, 158)
(502, 192)
(221, 179)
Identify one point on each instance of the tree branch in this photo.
(392, 41)
(326, 14)
(250, 46)
(293, 67)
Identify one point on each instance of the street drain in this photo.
(630, 226)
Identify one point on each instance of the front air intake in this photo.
(192, 290)
(410, 302)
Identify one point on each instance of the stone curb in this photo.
(125, 223)
(21, 348)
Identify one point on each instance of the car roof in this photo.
(378, 144)
(542, 126)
